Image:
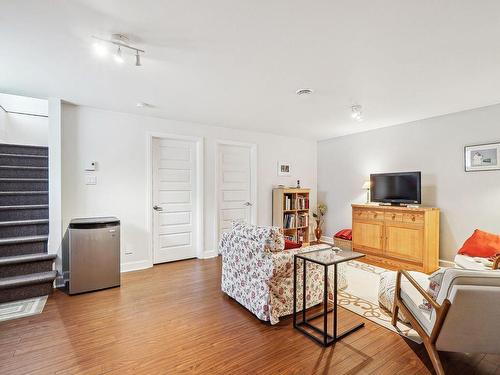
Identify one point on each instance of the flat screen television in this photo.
(396, 188)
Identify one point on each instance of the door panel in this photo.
(404, 242)
(174, 195)
(234, 185)
(367, 236)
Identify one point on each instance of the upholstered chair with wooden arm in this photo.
(465, 315)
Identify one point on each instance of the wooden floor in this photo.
(173, 319)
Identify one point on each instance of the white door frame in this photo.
(253, 181)
(199, 189)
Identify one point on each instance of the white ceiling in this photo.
(238, 63)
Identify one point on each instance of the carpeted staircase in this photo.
(25, 267)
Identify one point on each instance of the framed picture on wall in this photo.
(484, 157)
(284, 169)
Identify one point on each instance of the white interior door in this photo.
(174, 199)
(236, 185)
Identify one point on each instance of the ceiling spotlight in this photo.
(304, 92)
(118, 56)
(100, 49)
(122, 42)
(356, 112)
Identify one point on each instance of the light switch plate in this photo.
(90, 180)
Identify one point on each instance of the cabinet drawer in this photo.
(394, 217)
(375, 215)
(413, 218)
(360, 214)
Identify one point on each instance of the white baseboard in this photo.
(135, 266)
(210, 254)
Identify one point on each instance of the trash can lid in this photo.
(88, 222)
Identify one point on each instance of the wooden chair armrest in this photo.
(413, 282)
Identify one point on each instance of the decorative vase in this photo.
(318, 232)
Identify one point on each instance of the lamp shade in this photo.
(366, 185)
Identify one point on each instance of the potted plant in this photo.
(319, 215)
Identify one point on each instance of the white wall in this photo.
(434, 146)
(118, 142)
(23, 129)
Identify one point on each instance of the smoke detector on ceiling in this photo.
(301, 92)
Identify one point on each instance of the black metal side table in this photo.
(323, 257)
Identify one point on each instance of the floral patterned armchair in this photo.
(258, 273)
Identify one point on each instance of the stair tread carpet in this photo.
(26, 258)
(13, 240)
(22, 280)
(24, 179)
(24, 207)
(23, 222)
(35, 192)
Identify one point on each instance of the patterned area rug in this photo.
(361, 297)
(20, 309)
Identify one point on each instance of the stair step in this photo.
(23, 222)
(24, 184)
(10, 148)
(13, 246)
(23, 171)
(25, 156)
(21, 228)
(23, 160)
(17, 240)
(26, 264)
(11, 198)
(24, 212)
(26, 258)
(24, 207)
(23, 280)
(27, 286)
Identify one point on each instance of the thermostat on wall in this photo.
(91, 166)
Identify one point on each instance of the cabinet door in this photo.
(405, 242)
(367, 236)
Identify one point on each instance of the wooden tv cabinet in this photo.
(401, 237)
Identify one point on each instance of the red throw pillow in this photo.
(481, 244)
(345, 234)
(291, 245)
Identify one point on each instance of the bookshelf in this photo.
(291, 213)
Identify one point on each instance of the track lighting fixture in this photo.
(137, 59)
(121, 41)
(118, 56)
(356, 112)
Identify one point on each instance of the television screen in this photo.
(395, 187)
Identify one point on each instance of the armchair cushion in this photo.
(270, 237)
(481, 244)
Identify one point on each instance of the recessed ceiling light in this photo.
(304, 91)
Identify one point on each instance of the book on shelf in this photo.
(289, 203)
(302, 202)
(289, 221)
(303, 220)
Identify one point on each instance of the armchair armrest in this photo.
(416, 285)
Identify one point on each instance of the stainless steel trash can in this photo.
(93, 254)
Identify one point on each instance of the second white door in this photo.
(175, 206)
(236, 184)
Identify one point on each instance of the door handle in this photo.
(248, 204)
(157, 208)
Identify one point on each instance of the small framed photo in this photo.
(485, 157)
(284, 169)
